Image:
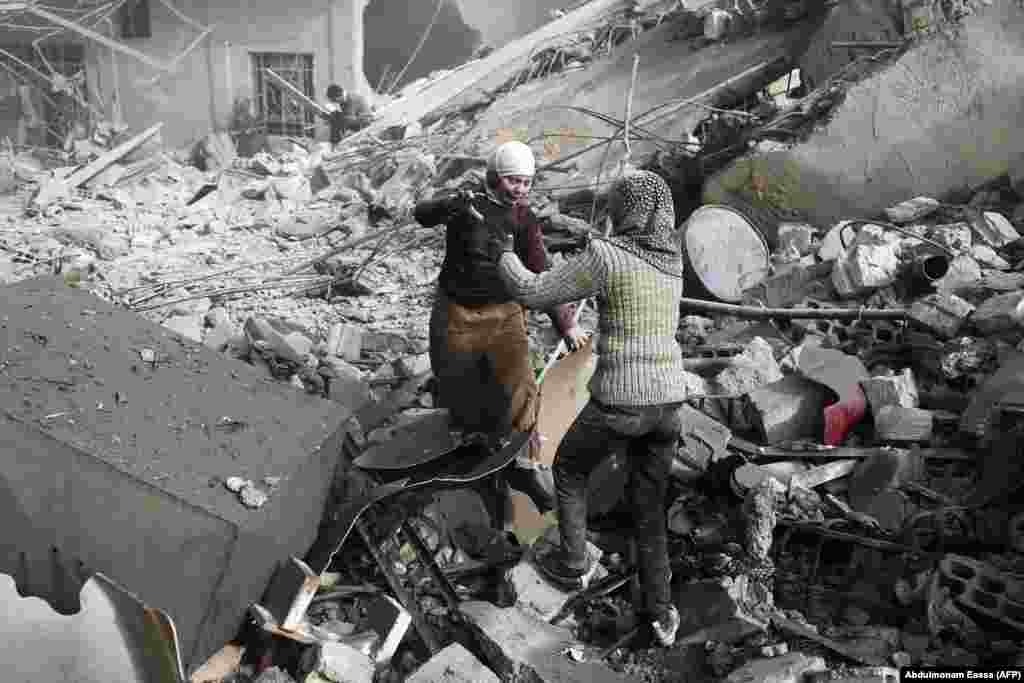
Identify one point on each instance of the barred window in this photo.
(279, 112)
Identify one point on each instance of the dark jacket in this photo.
(354, 113)
(469, 274)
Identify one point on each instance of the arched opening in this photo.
(392, 30)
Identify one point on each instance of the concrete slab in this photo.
(932, 123)
(453, 664)
(115, 463)
(519, 647)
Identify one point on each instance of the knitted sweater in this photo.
(639, 361)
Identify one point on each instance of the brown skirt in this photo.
(480, 356)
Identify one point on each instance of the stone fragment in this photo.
(954, 236)
(790, 409)
(217, 316)
(912, 210)
(963, 274)
(534, 592)
(520, 647)
(942, 314)
(339, 663)
(345, 341)
(1000, 313)
(987, 257)
(218, 338)
(992, 228)
(798, 237)
(891, 390)
(753, 368)
(345, 383)
(188, 326)
(866, 267)
(897, 423)
(410, 366)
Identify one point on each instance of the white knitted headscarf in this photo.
(512, 158)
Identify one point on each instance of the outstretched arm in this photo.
(576, 279)
(534, 255)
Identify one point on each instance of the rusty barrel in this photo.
(724, 252)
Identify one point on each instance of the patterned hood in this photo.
(644, 220)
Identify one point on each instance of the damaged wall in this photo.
(393, 29)
(941, 119)
(199, 95)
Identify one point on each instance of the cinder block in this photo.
(983, 588)
(117, 436)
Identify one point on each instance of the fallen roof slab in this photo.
(118, 436)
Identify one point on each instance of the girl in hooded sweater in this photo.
(637, 387)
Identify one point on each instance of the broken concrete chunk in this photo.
(963, 274)
(217, 316)
(453, 664)
(954, 236)
(942, 314)
(411, 366)
(891, 390)
(252, 497)
(345, 341)
(898, 423)
(218, 337)
(519, 647)
(992, 228)
(339, 663)
(798, 237)
(789, 668)
(1000, 313)
(790, 409)
(534, 593)
(866, 267)
(753, 368)
(988, 258)
(188, 326)
(912, 210)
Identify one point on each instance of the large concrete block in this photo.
(115, 463)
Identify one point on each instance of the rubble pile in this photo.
(843, 496)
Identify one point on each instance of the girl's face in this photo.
(515, 187)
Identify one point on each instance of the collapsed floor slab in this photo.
(118, 437)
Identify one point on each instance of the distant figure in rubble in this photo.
(348, 112)
(637, 387)
(479, 349)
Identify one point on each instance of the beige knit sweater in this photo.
(639, 360)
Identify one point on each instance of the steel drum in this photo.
(724, 253)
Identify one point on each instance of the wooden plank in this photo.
(57, 188)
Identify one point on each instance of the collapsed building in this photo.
(214, 325)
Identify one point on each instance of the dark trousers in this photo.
(649, 435)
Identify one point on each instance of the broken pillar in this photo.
(118, 436)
